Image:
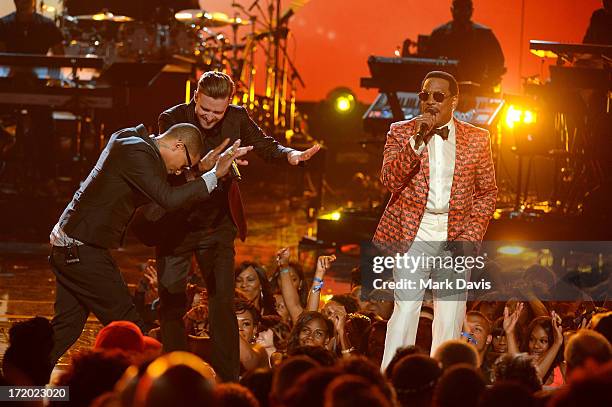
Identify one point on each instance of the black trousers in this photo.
(93, 285)
(214, 252)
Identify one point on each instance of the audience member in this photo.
(460, 385)
(414, 378)
(26, 360)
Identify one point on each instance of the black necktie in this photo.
(442, 132)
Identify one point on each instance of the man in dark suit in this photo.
(480, 56)
(131, 171)
(209, 229)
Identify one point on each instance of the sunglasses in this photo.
(437, 96)
(189, 165)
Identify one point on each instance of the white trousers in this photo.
(448, 313)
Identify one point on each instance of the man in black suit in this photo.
(131, 171)
(481, 59)
(208, 230)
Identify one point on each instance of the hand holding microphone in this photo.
(425, 123)
(230, 159)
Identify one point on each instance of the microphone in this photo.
(235, 172)
(420, 137)
(423, 131)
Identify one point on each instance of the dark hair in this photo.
(235, 395)
(364, 367)
(324, 356)
(452, 82)
(217, 85)
(587, 345)
(241, 304)
(400, 354)
(460, 385)
(31, 342)
(349, 302)
(267, 299)
(93, 373)
(188, 134)
(288, 373)
(304, 318)
(309, 389)
(259, 381)
(414, 378)
(506, 394)
(357, 328)
(546, 324)
(349, 390)
(279, 329)
(519, 368)
(455, 352)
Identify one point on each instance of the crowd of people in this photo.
(298, 350)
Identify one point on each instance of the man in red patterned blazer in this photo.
(441, 176)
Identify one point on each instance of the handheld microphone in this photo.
(235, 172)
(423, 131)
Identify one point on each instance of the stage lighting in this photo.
(342, 100)
(335, 215)
(516, 115)
(511, 250)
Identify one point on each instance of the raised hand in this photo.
(295, 157)
(557, 328)
(210, 159)
(283, 256)
(232, 153)
(324, 263)
(510, 320)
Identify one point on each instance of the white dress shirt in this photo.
(441, 169)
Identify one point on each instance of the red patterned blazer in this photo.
(406, 175)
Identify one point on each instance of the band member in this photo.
(480, 56)
(208, 230)
(28, 32)
(599, 30)
(441, 176)
(131, 171)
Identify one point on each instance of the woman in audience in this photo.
(272, 335)
(543, 341)
(289, 287)
(252, 281)
(310, 329)
(252, 355)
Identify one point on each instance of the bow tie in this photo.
(442, 132)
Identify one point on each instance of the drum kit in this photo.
(207, 41)
(193, 35)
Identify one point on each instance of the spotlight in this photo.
(342, 100)
(516, 115)
(511, 250)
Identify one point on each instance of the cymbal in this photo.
(204, 18)
(104, 16)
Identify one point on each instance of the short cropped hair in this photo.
(584, 345)
(454, 352)
(452, 82)
(217, 85)
(188, 134)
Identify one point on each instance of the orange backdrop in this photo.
(333, 38)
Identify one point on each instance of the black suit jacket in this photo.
(236, 124)
(129, 173)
